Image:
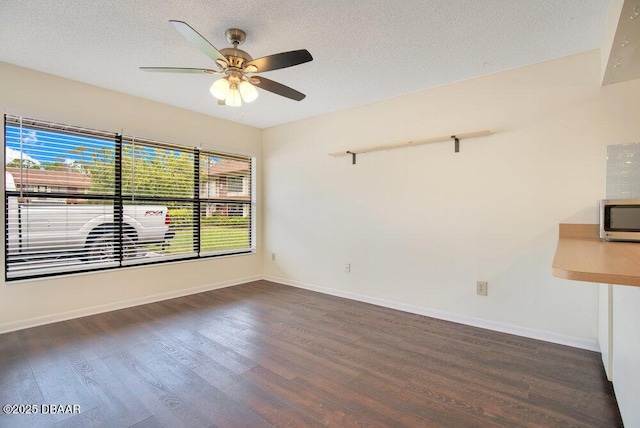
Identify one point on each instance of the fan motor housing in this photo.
(236, 57)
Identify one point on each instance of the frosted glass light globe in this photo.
(248, 91)
(220, 88)
(233, 97)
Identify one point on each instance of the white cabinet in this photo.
(605, 325)
(619, 337)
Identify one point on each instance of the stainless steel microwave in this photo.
(620, 219)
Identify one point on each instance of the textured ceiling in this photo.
(364, 51)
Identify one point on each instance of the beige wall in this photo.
(420, 225)
(43, 96)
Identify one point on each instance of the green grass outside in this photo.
(211, 239)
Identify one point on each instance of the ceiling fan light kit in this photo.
(237, 86)
(230, 91)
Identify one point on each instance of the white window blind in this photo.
(160, 177)
(225, 203)
(81, 200)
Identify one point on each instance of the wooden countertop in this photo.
(582, 256)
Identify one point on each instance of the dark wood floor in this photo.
(264, 354)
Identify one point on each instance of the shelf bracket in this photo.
(353, 157)
(457, 143)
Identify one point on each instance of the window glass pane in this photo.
(224, 227)
(55, 162)
(224, 177)
(159, 231)
(52, 236)
(150, 171)
(182, 225)
(234, 184)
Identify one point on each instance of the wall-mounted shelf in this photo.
(455, 138)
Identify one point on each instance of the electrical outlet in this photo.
(481, 288)
(347, 268)
(273, 257)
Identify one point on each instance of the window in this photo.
(234, 184)
(220, 228)
(114, 200)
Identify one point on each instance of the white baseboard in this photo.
(547, 336)
(63, 316)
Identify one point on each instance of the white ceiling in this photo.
(364, 51)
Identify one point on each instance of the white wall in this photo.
(420, 225)
(43, 96)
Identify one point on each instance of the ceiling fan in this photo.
(236, 65)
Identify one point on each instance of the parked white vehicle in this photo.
(47, 229)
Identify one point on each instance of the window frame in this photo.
(119, 199)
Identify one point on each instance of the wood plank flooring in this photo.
(263, 354)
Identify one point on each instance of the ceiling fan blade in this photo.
(180, 70)
(277, 61)
(277, 88)
(200, 42)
